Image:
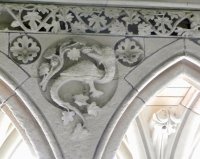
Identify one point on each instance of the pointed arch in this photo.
(181, 58)
(25, 114)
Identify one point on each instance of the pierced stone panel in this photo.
(78, 76)
(99, 20)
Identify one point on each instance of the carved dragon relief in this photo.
(98, 68)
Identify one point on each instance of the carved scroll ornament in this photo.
(162, 125)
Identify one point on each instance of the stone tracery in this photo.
(113, 21)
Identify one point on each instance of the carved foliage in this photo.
(162, 124)
(118, 21)
(82, 56)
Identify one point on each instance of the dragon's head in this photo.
(108, 52)
(100, 54)
(65, 47)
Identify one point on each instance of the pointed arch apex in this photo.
(151, 78)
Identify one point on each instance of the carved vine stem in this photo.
(177, 22)
(173, 28)
(47, 18)
(166, 22)
(20, 22)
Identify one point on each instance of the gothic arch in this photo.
(23, 112)
(153, 74)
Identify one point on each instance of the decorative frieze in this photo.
(99, 20)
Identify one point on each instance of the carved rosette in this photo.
(77, 75)
(162, 125)
(25, 49)
(129, 52)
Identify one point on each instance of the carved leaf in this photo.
(97, 22)
(74, 54)
(182, 32)
(15, 6)
(176, 15)
(148, 15)
(78, 27)
(68, 117)
(93, 109)
(132, 18)
(55, 61)
(47, 27)
(162, 22)
(79, 132)
(64, 15)
(84, 11)
(117, 28)
(195, 20)
(144, 29)
(15, 24)
(44, 69)
(112, 13)
(55, 25)
(32, 17)
(49, 53)
(187, 32)
(45, 8)
(80, 99)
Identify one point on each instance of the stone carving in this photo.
(67, 117)
(83, 70)
(24, 50)
(118, 21)
(128, 52)
(79, 132)
(162, 125)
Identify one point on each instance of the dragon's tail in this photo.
(54, 95)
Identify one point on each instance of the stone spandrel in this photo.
(82, 62)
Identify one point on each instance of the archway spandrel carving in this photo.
(161, 76)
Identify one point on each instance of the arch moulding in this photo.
(178, 62)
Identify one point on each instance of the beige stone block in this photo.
(152, 45)
(140, 76)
